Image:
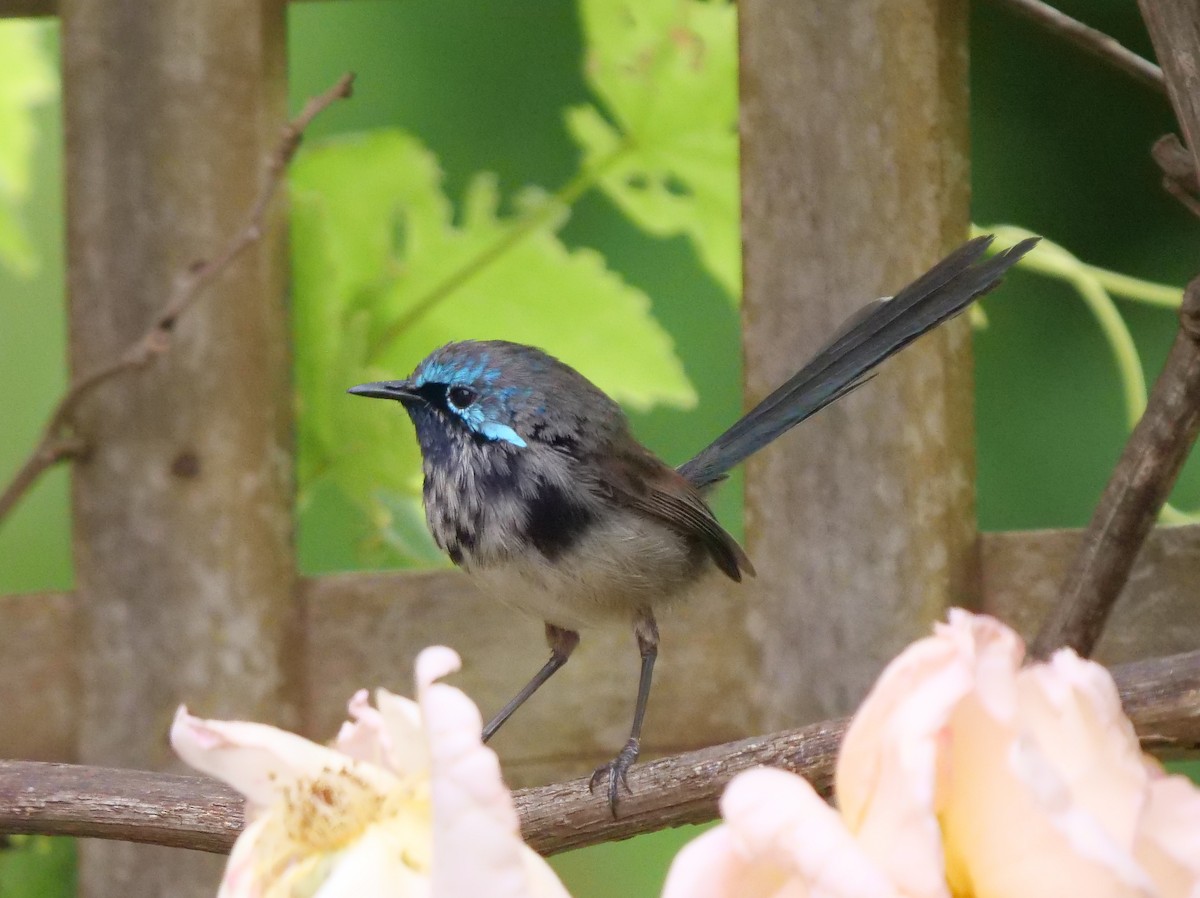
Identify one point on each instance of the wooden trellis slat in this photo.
(364, 630)
(182, 509)
(854, 177)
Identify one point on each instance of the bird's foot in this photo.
(615, 773)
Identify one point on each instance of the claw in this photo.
(616, 773)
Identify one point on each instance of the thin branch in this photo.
(1161, 697)
(1135, 494)
(1092, 41)
(1164, 436)
(57, 442)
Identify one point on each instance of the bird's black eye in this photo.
(460, 397)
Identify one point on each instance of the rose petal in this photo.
(373, 866)
(258, 760)
(777, 816)
(240, 879)
(1069, 708)
(713, 866)
(888, 773)
(408, 750)
(1010, 822)
(433, 663)
(363, 736)
(779, 839)
(390, 735)
(1168, 845)
(473, 813)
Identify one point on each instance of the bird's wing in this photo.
(644, 483)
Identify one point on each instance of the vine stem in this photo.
(1093, 285)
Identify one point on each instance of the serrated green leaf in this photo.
(383, 275)
(667, 155)
(536, 292)
(26, 79)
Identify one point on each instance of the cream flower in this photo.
(407, 803)
(964, 774)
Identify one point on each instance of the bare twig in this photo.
(1134, 496)
(57, 442)
(1161, 697)
(1089, 39)
(1164, 436)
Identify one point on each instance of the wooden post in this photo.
(855, 179)
(183, 513)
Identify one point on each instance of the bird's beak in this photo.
(400, 390)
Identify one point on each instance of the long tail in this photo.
(878, 332)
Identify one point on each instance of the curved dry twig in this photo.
(57, 442)
(1090, 40)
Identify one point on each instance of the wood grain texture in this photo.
(1161, 697)
(364, 630)
(855, 178)
(1156, 614)
(40, 700)
(1174, 27)
(164, 809)
(182, 512)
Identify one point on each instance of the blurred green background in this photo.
(1060, 146)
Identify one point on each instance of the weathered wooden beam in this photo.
(182, 512)
(40, 705)
(855, 178)
(366, 629)
(1161, 697)
(1156, 614)
(363, 630)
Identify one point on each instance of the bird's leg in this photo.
(562, 643)
(646, 631)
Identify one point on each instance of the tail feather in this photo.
(876, 334)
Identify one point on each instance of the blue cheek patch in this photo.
(494, 431)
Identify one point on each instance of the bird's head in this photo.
(499, 394)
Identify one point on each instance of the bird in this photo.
(535, 485)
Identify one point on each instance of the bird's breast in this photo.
(553, 548)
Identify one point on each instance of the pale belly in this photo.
(618, 568)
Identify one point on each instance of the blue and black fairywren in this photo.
(535, 485)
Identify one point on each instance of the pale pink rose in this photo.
(964, 774)
(408, 802)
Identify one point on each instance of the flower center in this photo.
(317, 820)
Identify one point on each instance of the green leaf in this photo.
(667, 154)
(383, 274)
(26, 79)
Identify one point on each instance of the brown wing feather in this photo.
(650, 486)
